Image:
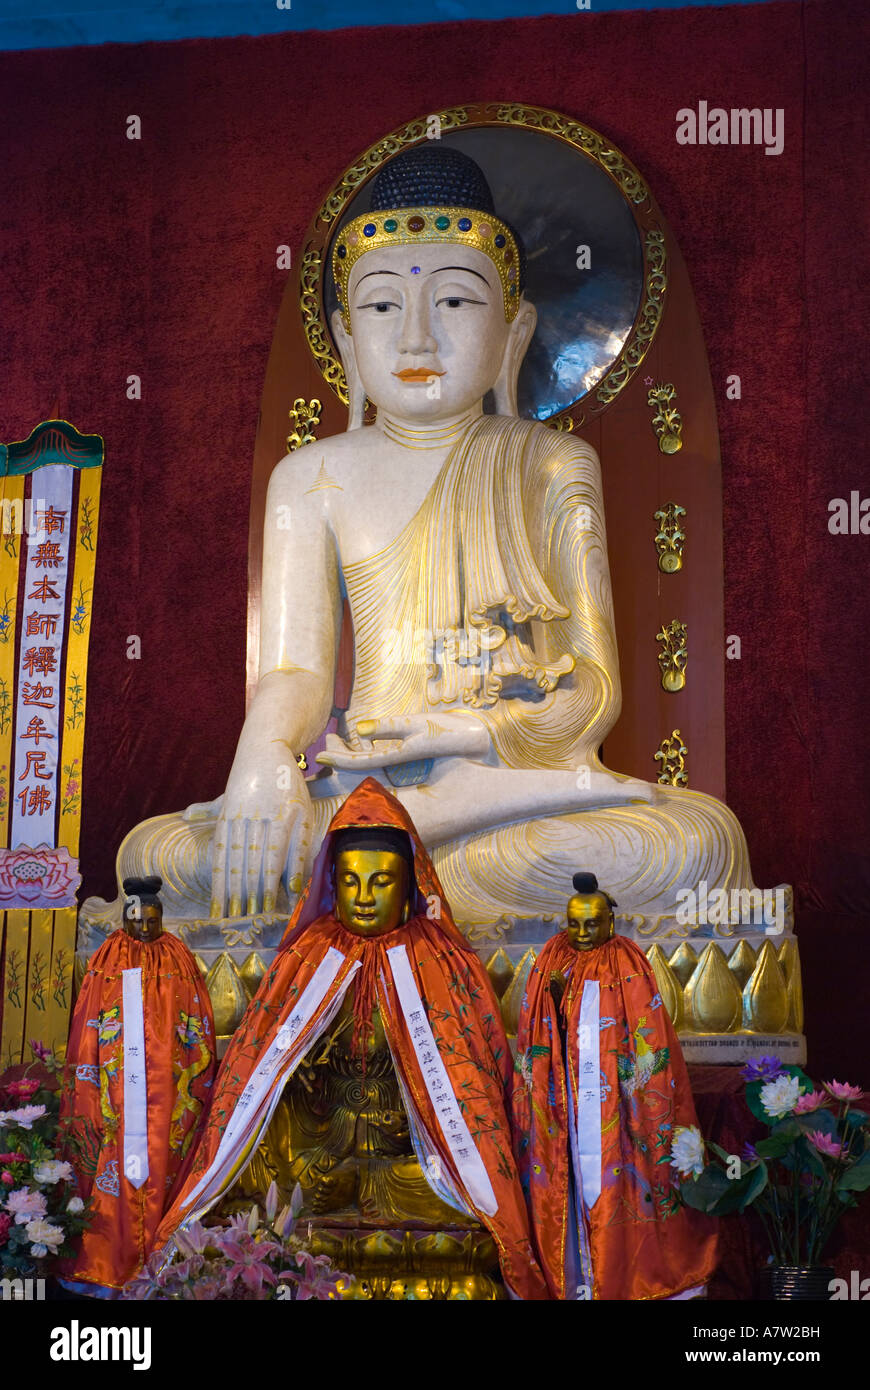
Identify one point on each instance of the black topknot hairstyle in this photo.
(145, 889)
(588, 883)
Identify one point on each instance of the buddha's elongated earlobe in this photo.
(355, 390)
(505, 388)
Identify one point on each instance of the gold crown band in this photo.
(418, 226)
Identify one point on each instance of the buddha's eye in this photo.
(455, 301)
(381, 306)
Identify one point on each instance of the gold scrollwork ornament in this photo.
(667, 421)
(672, 757)
(647, 322)
(304, 416)
(670, 537)
(673, 656)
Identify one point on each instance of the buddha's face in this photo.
(371, 890)
(428, 328)
(590, 921)
(148, 926)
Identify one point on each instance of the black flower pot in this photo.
(800, 1283)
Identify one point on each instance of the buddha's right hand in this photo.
(264, 825)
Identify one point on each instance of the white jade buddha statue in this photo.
(472, 550)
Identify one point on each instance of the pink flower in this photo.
(40, 1050)
(25, 1205)
(144, 1284)
(207, 1289)
(840, 1090)
(13, 1158)
(193, 1239)
(6, 1177)
(824, 1143)
(810, 1101)
(23, 1089)
(247, 1259)
(314, 1276)
(72, 788)
(5, 1226)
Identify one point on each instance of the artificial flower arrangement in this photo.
(800, 1177)
(40, 1212)
(247, 1256)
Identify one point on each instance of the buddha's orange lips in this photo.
(417, 374)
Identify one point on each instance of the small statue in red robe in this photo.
(372, 949)
(140, 1064)
(602, 1088)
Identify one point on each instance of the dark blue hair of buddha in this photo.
(435, 175)
(588, 883)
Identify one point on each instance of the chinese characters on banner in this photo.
(50, 512)
(43, 621)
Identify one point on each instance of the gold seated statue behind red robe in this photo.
(365, 1145)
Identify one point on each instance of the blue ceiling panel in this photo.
(64, 23)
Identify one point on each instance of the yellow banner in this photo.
(12, 509)
(39, 943)
(78, 632)
(15, 981)
(38, 976)
(13, 925)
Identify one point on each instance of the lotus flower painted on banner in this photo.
(41, 877)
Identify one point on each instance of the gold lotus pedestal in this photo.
(732, 994)
(411, 1265)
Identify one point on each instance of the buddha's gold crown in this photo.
(419, 226)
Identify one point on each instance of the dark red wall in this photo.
(157, 258)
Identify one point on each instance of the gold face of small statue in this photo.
(148, 925)
(590, 921)
(371, 890)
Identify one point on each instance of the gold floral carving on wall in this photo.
(673, 656)
(670, 537)
(671, 758)
(667, 421)
(304, 416)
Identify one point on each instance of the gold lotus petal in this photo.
(712, 997)
(765, 996)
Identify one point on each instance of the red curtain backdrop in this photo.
(157, 258)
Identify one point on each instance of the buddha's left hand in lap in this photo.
(461, 746)
(407, 738)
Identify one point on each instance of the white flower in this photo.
(687, 1150)
(22, 1118)
(52, 1170)
(25, 1205)
(75, 1204)
(44, 1235)
(779, 1097)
